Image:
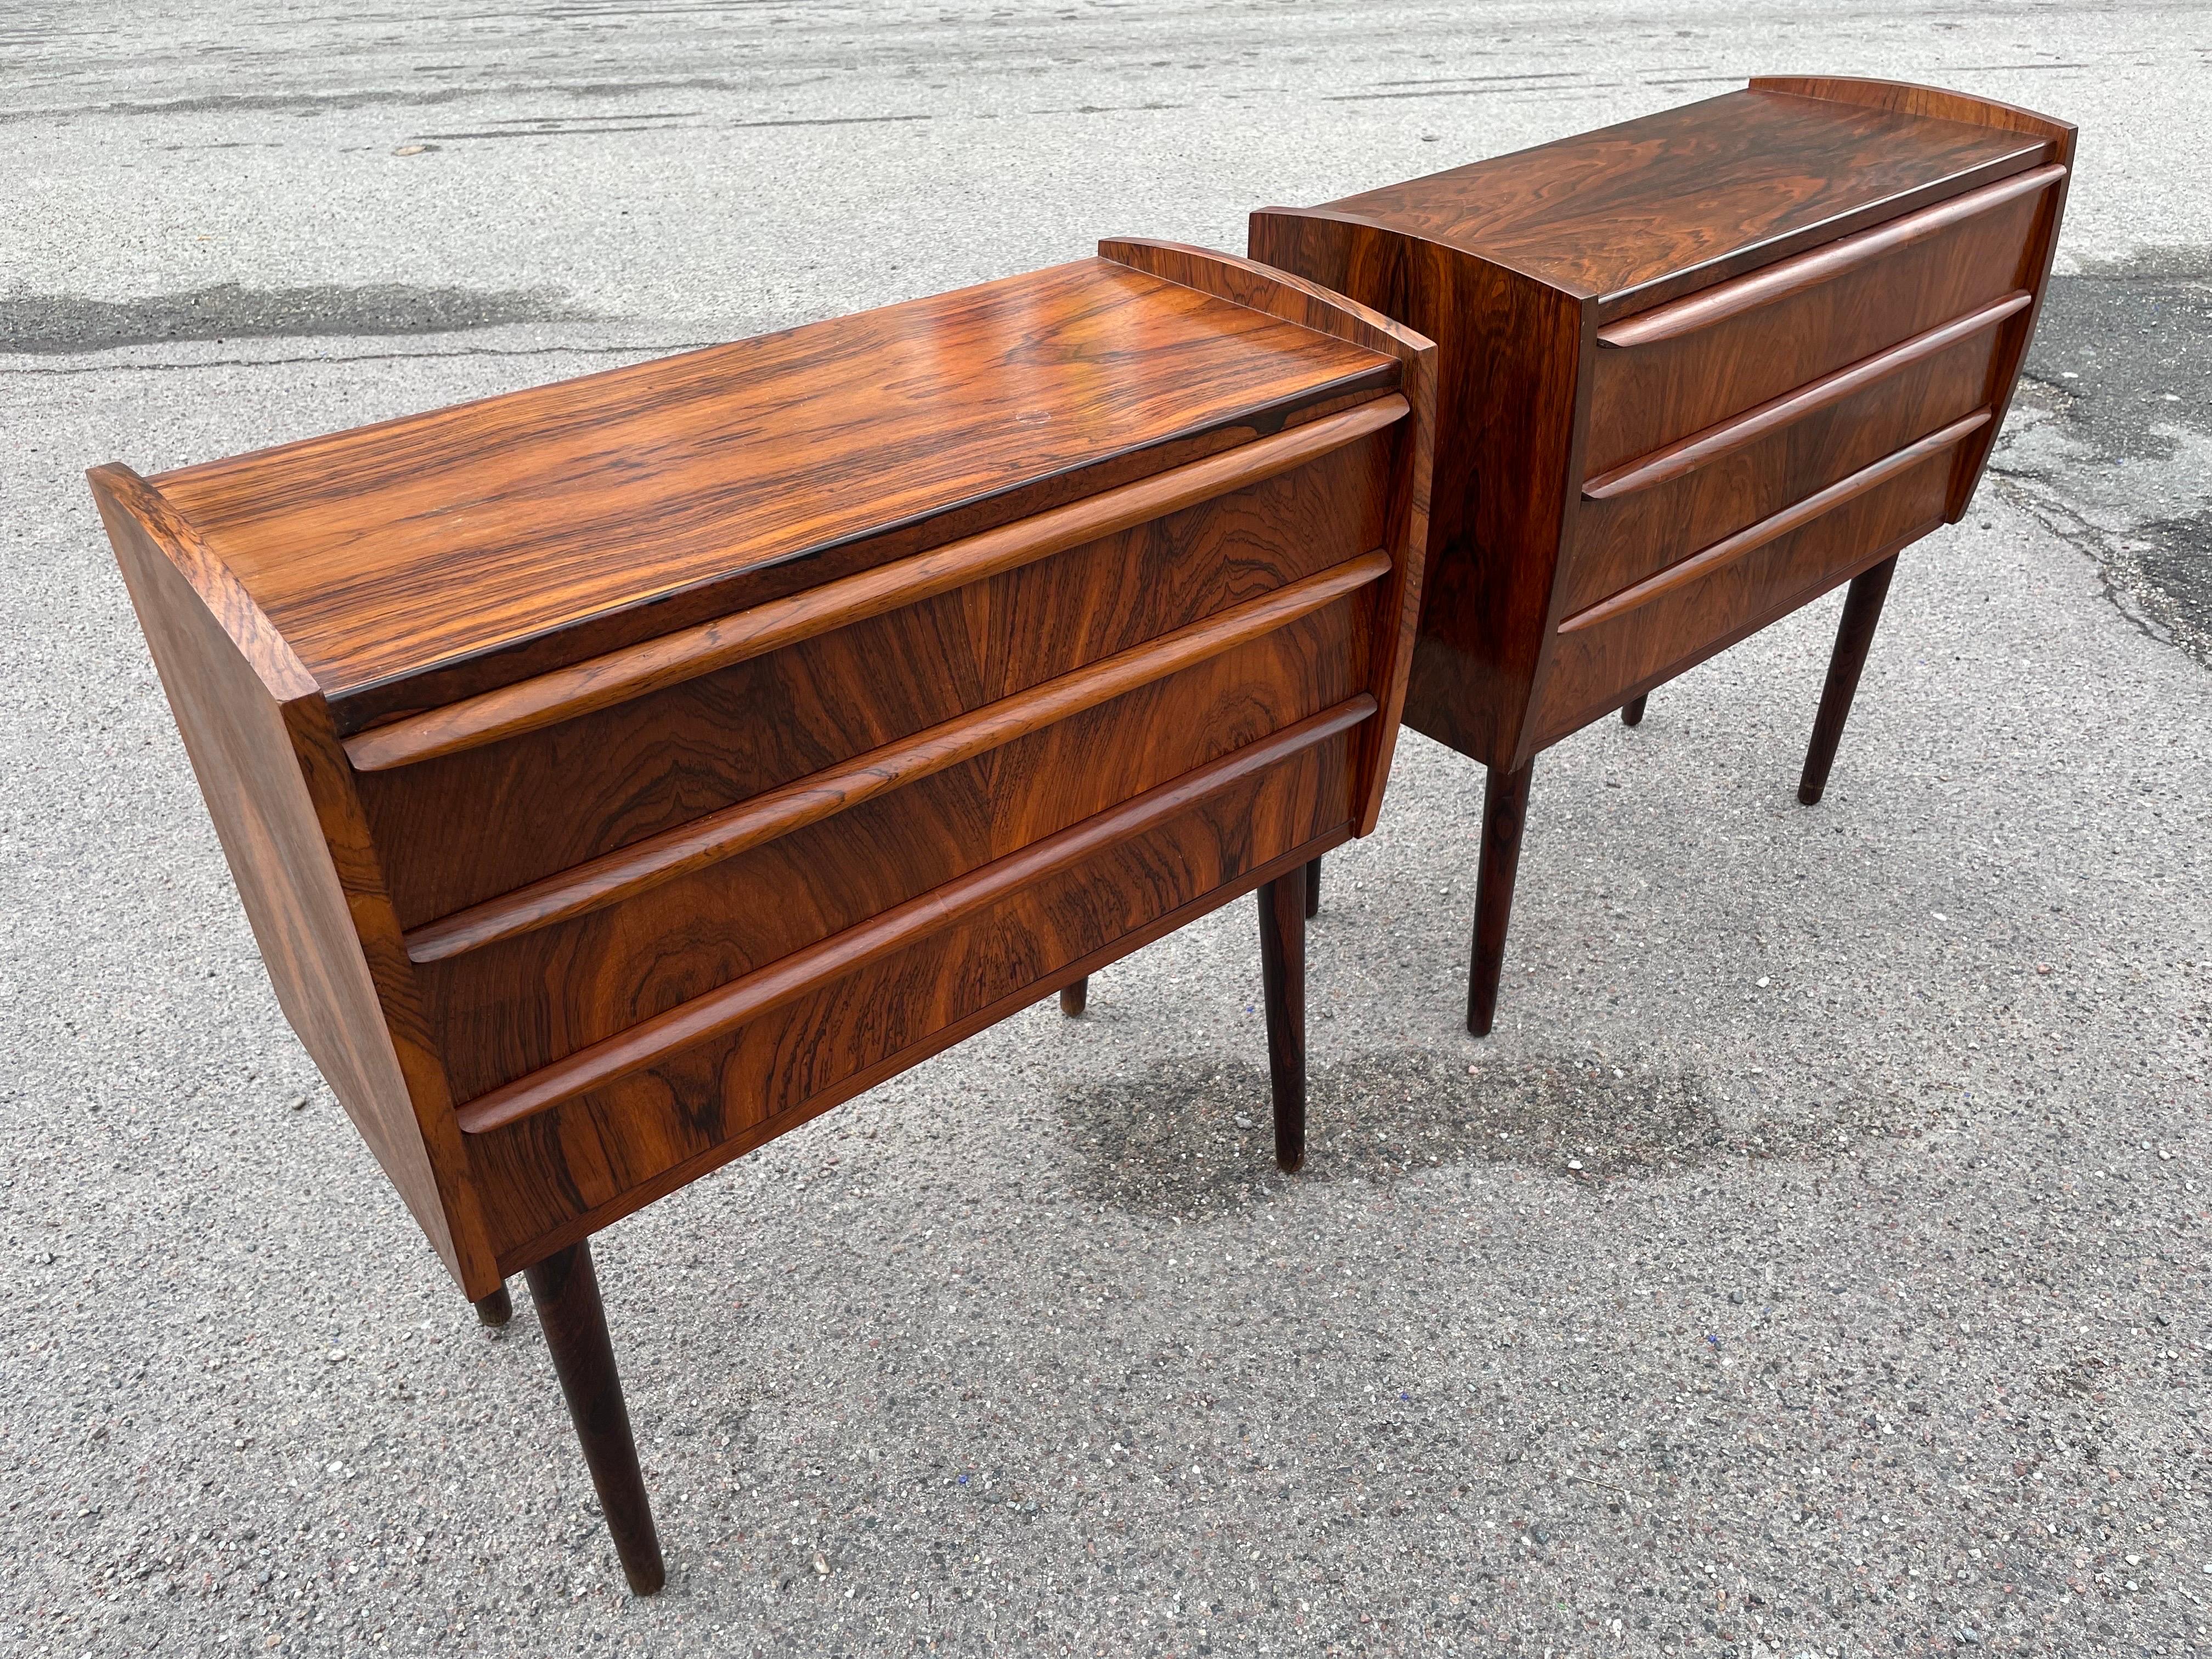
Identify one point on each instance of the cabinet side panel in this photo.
(250, 775)
(1508, 362)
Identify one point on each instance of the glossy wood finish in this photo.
(1694, 371)
(1637, 213)
(1283, 991)
(268, 763)
(657, 1041)
(543, 527)
(1647, 396)
(634, 671)
(565, 1288)
(1854, 635)
(622, 773)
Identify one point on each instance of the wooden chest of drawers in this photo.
(1694, 371)
(620, 772)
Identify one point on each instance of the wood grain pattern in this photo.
(1644, 397)
(388, 551)
(644, 864)
(1623, 538)
(1692, 371)
(470, 827)
(1634, 215)
(1248, 283)
(1508, 356)
(522, 1003)
(1727, 437)
(268, 763)
(1702, 608)
(623, 675)
(653, 1043)
(668, 756)
(1750, 538)
(574, 1168)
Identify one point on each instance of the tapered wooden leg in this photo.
(1074, 998)
(1631, 713)
(567, 1292)
(1862, 611)
(1313, 889)
(1505, 803)
(497, 1309)
(1283, 986)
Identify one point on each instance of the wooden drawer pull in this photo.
(1727, 436)
(671, 658)
(1795, 276)
(646, 863)
(728, 1006)
(1703, 564)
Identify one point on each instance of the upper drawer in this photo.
(582, 781)
(1665, 373)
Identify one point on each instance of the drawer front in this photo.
(1597, 665)
(516, 1004)
(597, 1155)
(459, 830)
(1651, 392)
(1620, 540)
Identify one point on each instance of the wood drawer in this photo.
(545, 1174)
(1688, 496)
(462, 828)
(1662, 374)
(1635, 639)
(508, 1007)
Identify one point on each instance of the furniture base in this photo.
(1504, 804)
(1283, 986)
(566, 1289)
(1862, 611)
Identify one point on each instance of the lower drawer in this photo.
(1597, 662)
(581, 1163)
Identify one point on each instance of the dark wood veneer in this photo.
(619, 774)
(1692, 371)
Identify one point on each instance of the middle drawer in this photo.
(1684, 499)
(514, 1004)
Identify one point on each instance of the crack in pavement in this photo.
(2108, 444)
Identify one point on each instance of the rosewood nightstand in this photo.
(1694, 371)
(620, 772)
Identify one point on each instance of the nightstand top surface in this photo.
(1636, 214)
(389, 551)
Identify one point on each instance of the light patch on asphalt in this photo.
(2109, 442)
